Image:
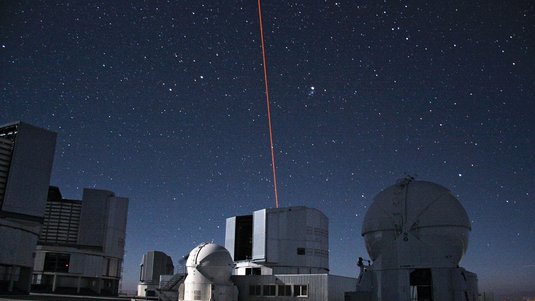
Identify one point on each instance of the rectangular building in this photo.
(26, 156)
(292, 240)
(81, 245)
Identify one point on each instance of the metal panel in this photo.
(230, 235)
(29, 171)
(39, 261)
(77, 263)
(338, 285)
(93, 218)
(18, 242)
(115, 230)
(273, 237)
(259, 235)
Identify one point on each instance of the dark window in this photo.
(253, 271)
(284, 290)
(421, 285)
(255, 290)
(243, 243)
(57, 262)
(301, 251)
(269, 290)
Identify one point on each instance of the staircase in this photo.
(169, 291)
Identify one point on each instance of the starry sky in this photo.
(163, 102)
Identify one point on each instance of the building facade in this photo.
(292, 240)
(272, 254)
(311, 287)
(26, 156)
(283, 253)
(81, 244)
(153, 265)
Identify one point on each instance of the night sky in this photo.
(163, 102)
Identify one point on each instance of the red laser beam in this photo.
(268, 107)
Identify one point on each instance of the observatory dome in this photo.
(422, 222)
(212, 261)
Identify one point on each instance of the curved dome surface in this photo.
(211, 260)
(417, 210)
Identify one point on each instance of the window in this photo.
(255, 290)
(37, 279)
(285, 290)
(300, 291)
(269, 290)
(57, 262)
(301, 251)
(197, 295)
(253, 271)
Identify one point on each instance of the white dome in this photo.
(422, 217)
(212, 261)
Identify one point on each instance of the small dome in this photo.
(420, 211)
(211, 260)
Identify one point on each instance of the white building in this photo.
(26, 156)
(272, 254)
(269, 255)
(81, 245)
(416, 234)
(293, 240)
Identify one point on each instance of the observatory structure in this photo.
(153, 265)
(26, 157)
(283, 253)
(292, 240)
(209, 269)
(416, 233)
(81, 244)
(272, 254)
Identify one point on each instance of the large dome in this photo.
(420, 217)
(212, 261)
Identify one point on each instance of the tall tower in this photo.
(26, 156)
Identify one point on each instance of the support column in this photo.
(11, 278)
(54, 282)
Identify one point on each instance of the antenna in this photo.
(268, 107)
